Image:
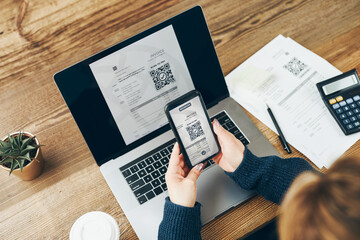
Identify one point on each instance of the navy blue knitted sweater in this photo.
(269, 176)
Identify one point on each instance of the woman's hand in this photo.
(180, 180)
(232, 150)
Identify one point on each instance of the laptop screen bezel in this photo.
(87, 104)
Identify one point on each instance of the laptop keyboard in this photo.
(146, 175)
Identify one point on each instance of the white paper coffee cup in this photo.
(95, 226)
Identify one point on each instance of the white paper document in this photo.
(284, 74)
(138, 80)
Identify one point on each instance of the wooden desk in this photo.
(39, 38)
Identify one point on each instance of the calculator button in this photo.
(346, 121)
(336, 106)
(358, 103)
(338, 111)
(346, 108)
(350, 126)
(356, 98)
(349, 113)
(358, 116)
(353, 119)
(353, 105)
(342, 103)
(332, 101)
(339, 98)
(349, 100)
(357, 124)
(342, 116)
(357, 110)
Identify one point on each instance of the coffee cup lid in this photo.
(95, 225)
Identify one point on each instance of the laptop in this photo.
(117, 99)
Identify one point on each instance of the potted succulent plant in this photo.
(20, 155)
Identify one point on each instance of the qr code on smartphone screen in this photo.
(195, 130)
(295, 66)
(162, 76)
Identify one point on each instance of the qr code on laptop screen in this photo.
(195, 130)
(295, 66)
(162, 76)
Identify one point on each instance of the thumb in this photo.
(223, 135)
(195, 172)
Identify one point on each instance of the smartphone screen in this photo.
(194, 130)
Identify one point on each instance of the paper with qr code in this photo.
(284, 74)
(138, 80)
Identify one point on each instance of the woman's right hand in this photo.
(232, 150)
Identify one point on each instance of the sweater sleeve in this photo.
(180, 222)
(269, 176)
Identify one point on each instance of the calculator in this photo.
(341, 95)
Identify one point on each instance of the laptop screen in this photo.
(117, 96)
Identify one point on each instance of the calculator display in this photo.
(340, 84)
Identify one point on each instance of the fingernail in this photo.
(216, 122)
(200, 166)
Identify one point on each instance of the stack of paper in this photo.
(283, 74)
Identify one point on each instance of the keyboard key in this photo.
(346, 108)
(353, 105)
(349, 126)
(164, 152)
(339, 98)
(155, 174)
(239, 136)
(245, 141)
(142, 173)
(356, 98)
(170, 148)
(230, 125)
(126, 173)
(147, 178)
(342, 103)
(336, 106)
(349, 113)
(358, 116)
(353, 119)
(150, 195)
(132, 178)
(342, 116)
(164, 187)
(149, 169)
(155, 183)
(164, 161)
(143, 190)
(356, 124)
(158, 190)
(149, 160)
(137, 184)
(234, 131)
(332, 101)
(358, 103)
(338, 111)
(349, 100)
(223, 120)
(142, 164)
(134, 169)
(162, 170)
(142, 199)
(157, 156)
(157, 165)
(346, 121)
(162, 179)
(357, 110)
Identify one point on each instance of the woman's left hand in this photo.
(180, 180)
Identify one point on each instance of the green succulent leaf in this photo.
(14, 165)
(6, 160)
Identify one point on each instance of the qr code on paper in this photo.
(162, 76)
(195, 130)
(295, 66)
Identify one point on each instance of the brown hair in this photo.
(323, 206)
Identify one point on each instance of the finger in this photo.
(195, 172)
(174, 159)
(224, 136)
(217, 158)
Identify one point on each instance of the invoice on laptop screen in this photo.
(138, 80)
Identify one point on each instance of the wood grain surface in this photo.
(39, 38)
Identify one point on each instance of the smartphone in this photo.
(193, 130)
